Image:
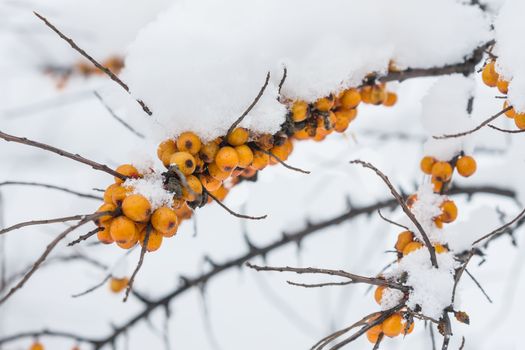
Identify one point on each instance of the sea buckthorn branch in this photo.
(116, 117)
(85, 236)
(53, 187)
(405, 208)
(282, 162)
(42, 222)
(340, 273)
(106, 70)
(143, 252)
(507, 131)
(500, 229)
(390, 221)
(241, 216)
(48, 251)
(75, 157)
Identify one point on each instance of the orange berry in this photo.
(301, 134)
(105, 218)
(442, 171)
(325, 104)
(426, 164)
(411, 247)
(503, 86)
(299, 111)
(249, 172)
(104, 236)
(189, 142)
(227, 159)
(511, 113)
(438, 222)
(195, 185)
(373, 333)
(449, 211)
(36, 346)
(438, 185)
(109, 192)
(343, 117)
(366, 94)
(166, 146)
(209, 151)
(350, 99)
(260, 160)
(127, 170)
(489, 75)
(137, 208)
(199, 165)
(165, 221)
(209, 182)
(378, 94)
(122, 229)
(327, 123)
(130, 244)
(245, 156)
(154, 239)
(410, 328)
(440, 249)
(117, 285)
(280, 152)
(403, 239)
(378, 294)
(466, 166)
(390, 99)
(220, 193)
(217, 173)
(183, 212)
(411, 200)
(393, 325)
(119, 194)
(238, 136)
(519, 120)
(184, 161)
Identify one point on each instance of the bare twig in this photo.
(478, 285)
(143, 252)
(107, 71)
(84, 237)
(282, 162)
(115, 116)
(480, 126)
(92, 289)
(405, 208)
(75, 157)
(232, 212)
(390, 221)
(54, 187)
(250, 107)
(42, 222)
(500, 229)
(283, 79)
(519, 131)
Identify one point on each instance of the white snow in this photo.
(390, 298)
(445, 112)
(510, 49)
(151, 186)
(202, 63)
(425, 209)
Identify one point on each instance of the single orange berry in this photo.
(122, 229)
(438, 222)
(299, 111)
(260, 160)
(106, 207)
(109, 192)
(403, 239)
(189, 142)
(245, 154)
(249, 172)
(137, 208)
(131, 243)
(220, 193)
(350, 99)
(378, 94)
(127, 170)
(390, 99)
(238, 136)
(440, 249)
(393, 325)
(279, 153)
(378, 294)
(209, 182)
(519, 120)
(217, 173)
(411, 247)
(466, 166)
(438, 185)
(343, 117)
(119, 194)
(325, 104)
(449, 211)
(301, 134)
(195, 186)
(366, 94)
(209, 151)
(511, 113)
(503, 86)
(426, 164)
(165, 221)
(183, 212)
(117, 285)
(104, 236)
(166, 146)
(227, 159)
(489, 75)
(36, 346)
(184, 161)
(154, 239)
(373, 333)
(442, 171)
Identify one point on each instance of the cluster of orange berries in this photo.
(392, 326)
(335, 112)
(441, 171)
(130, 216)
(493, 79)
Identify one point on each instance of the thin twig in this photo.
(75, 157)
(42, 222)
(500, 229)
(282, 162)
(84, 237)
(250, 107)
(283, 79)
(478, 285)
(519, 131)
(405, 208)
(106, 70)
(54, 187)
(143, 252)
(480, 126)
(117, 118)
(232, 212)
(317, 285)
(390, 221)
(92, 289)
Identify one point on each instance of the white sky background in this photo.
(240, 308)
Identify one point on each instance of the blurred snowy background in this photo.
(241, 308)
